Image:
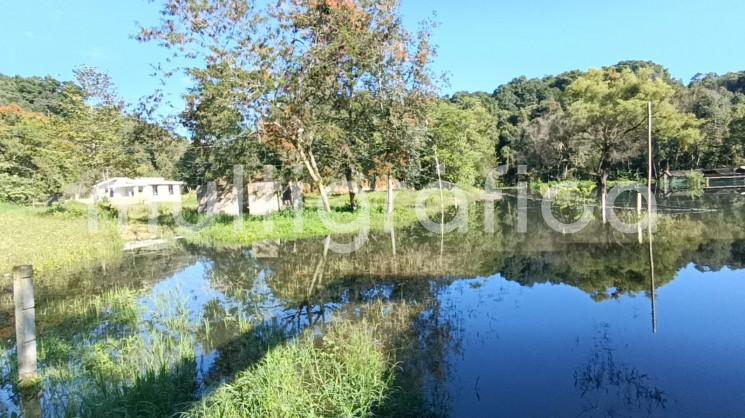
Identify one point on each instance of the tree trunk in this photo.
(604, 194)
(352, 189)
(310, 164)
(324, 198)
(604, 183)
(389, 202)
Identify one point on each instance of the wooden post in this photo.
(390, 196)
(25, 312)
(649, 161)
(603, 200)
(652, 284)
(649, 221)
(442, 207)
(639, 217)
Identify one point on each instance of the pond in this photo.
(499, 323)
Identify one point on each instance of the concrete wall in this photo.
(163, 193)
(260, 198)
(218, 200)
(264, 198)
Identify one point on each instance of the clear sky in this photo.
(481, 43)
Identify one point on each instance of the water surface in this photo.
(503, 323)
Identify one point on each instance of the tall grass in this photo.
(119, 363)
(54, 239)
(345, 373)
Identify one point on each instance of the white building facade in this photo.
(123, 190)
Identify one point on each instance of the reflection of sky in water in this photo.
(527, 351)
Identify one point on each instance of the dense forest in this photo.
(348, 93)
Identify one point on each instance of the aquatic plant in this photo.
(342, 373)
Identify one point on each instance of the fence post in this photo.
(25, 312)
(639, 217)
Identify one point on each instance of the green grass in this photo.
(225, 231)
(54, 239)
(59, 238)
(345, 373)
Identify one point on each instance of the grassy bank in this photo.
(287, 225)
(53, 239)
(60, 238)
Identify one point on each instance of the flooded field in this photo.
(479, 323)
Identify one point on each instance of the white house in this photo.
(123, 190)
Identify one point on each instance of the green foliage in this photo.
(464, 135)
(18, 189)
(127, 367)
(592, 125)
(34, 161)
(329, 86)
(34, 94)
(566, 190)
(610, 109)
(695, 181)
(222, 231)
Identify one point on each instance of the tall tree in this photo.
(610, 109)
(465, 136)
(292, 72)
(33, 94)
(35, 161)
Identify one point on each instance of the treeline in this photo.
(59, 138)
(339, 89)
(593, 124)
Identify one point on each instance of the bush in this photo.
(567, 190)
(695, 181)
(16, 189)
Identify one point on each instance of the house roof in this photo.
(118, 182)
(710, 172)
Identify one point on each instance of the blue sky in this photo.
(481, 43)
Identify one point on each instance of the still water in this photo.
(541, 324)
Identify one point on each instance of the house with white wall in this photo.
(124, 190)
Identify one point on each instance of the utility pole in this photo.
(442, 206)
(649, 162)
(649, 222)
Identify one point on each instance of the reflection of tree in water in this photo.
(614, 389)
(440, 338)
(231, 271)
(309, 285)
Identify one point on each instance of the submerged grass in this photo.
(118, 363)
(344, 373)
